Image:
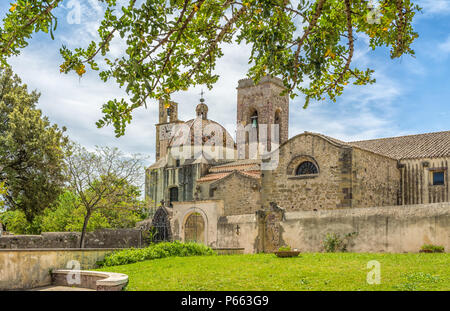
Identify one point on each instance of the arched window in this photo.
(254, 119)
(306, 168)
(173, 194)
(277, 119)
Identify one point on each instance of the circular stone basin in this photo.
(287, 253)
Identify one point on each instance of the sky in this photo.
(411, 94)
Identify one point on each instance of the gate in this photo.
(161, 226)
(194, 229)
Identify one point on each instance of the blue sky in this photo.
(411, 94)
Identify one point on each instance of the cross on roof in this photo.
(201, 94)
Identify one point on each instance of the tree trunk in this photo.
(83, 232)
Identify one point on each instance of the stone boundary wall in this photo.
(238, 231)
(104, 238)
(30, 268)
(394, 229)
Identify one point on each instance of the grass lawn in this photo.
(309, 271)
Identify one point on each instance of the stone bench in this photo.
(97, 280)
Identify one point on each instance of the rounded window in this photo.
(306, 168)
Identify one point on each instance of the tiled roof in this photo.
(249, 168)
(212, 177)
(218, 176)
(429, 145)
(253, 174)
(239, 165)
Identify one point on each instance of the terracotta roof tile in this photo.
(212, 177)
(429, 145)
(254, 174)
(240, 165)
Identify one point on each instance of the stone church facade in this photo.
(393, 191)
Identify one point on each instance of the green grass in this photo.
(309, 271)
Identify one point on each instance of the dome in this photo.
(206, 130)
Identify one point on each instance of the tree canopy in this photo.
(31, 149)
(105, 180)
(67, 215)
(173, 45)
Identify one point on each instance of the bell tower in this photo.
(168, 116)
(261, 103)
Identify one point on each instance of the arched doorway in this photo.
(194, 228)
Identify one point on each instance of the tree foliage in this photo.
(31, 149)
(67, 215)
(2, 193)
(105, 180)
(15, 221)
(173, 45)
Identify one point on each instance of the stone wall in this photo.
(241, 194)
(347, 177)
(394, 229)
(375, 179)
(238, 231)
(105, 238)
(210, 211)
(30, 268)
(325, 190)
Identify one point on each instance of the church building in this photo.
(215, 192)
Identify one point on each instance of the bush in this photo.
(16, 222)
(154, 251)
(430, 248)
(334, 243)
(284, 249)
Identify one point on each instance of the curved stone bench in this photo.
(97, 280)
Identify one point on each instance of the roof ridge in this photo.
(394, 137)
(335, 140)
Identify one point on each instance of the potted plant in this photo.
(286, 251)
(430, 248)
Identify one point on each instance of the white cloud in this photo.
(363, 112)
(76, 103)
(434, 7)
(444, 47)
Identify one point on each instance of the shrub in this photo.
(334, 243)
(16, 222)
(149, 235)
(430, 248)
(284, 249)
(154, 251)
